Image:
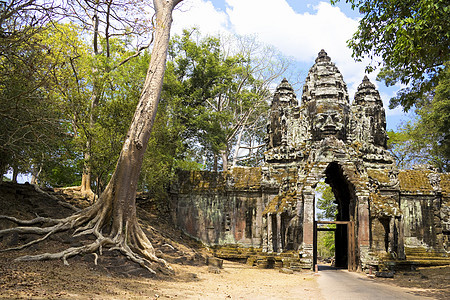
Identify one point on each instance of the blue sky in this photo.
(299, 29)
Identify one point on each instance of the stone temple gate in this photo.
(267, 214)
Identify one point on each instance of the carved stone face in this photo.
(328, 119)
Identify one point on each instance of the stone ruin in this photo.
(266, 215)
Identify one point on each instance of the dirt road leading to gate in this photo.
(342, 284)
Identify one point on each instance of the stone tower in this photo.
(382, 213)
(369, 120)
(326, 138)
(325, 98)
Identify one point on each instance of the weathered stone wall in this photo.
(424, 202)
(221, 208)
(324, 137)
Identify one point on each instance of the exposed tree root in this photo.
(38, 220)
(88, 194)
(64, 204)
(129, 239)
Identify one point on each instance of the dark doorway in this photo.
(350, 256)
(345, 243)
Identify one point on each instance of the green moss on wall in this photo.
(445, 184)
(383, 206)
(415, 181)
(246, 178)
(381, 176)
(281, 203)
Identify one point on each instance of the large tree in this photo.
(410, 42)
(327, 208)
(112, 218)
(426, 138)
(29, 120)
(220, 86)
(103, 21)
(409, 39)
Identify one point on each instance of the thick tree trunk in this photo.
(119, 197)
(86, 190)
(15, 174)
(112, 218)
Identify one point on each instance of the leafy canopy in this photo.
(412, 37)
(426, 139)
(214, 94)
(325, 203)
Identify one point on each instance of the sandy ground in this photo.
(239, 281)
(115, 277)
(81, 280)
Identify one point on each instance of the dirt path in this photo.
(342, 284)
(239, 281)
(81, 280)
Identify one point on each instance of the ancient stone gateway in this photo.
(267, 215)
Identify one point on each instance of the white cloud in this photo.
(201, 14)
(274, 22)
(299, 35)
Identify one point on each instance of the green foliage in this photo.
(328, 209)
(399, 146)
(411, 37)
(98, 96)
(62, 168)
(325, 203)
(325, 242)
(47, 88)
(426, 139)
(120, 93)
(32, 123)
(200, 74)
(218, 94)
(164, 150)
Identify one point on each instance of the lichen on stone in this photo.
(282, 174)
(281, 203)
(415, 181)
(383, 206)
(381, 176)
(246, 178)
(445, 184)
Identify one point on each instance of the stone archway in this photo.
(346, 242)
(323, 136)
(326, 136)
(347, 250)
(346, 200)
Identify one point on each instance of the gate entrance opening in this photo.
(344, 234)
(345, 251)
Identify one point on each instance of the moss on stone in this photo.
(205, 180)
(381, 176)
(287, 201)
(445, 184)
(272, 206)
(382, 206)
(356, 146)
(246, 178)
(240, 178)
(282, 174)
(415, 181)
(281, 203)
